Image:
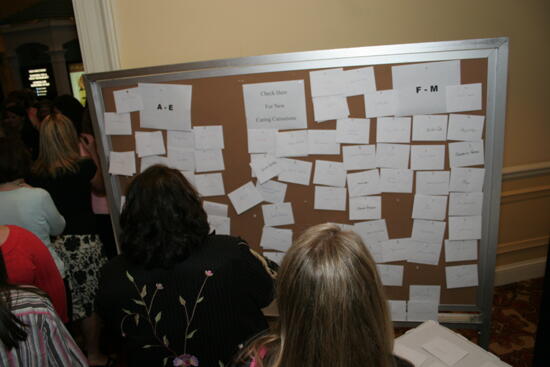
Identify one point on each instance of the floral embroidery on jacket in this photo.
(183, 359)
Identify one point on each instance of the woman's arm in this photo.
(53, 217)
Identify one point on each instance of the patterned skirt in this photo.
(83, 258)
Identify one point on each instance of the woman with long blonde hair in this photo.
(332, 308)
(70, 178)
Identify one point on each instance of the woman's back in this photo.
(48, 342)
(235, 286)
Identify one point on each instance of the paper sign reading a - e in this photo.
(165, 106)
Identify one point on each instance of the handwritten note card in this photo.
(391, 275)
(330, 198)
(245, 197)
(165, 106)
(393, 130)
(182, 159)
(397, 249)
(425, 252)
(465, 127)
(425, 292)
(330, 108)
(279, 214)
(465, 203)
(359, 81)
(329, 173)
(428, 231)
(460, 276)
(295, 171)
(466, 153)
(380, 103)
(220, 224)
(122, 163)
(429, 207)
(427, 157)
(432, 182)
(266, 168)
(364, 183)
(353, 131)
(396, 180)
(275, 105)
(322, 142)
(209, 160)
(261, 141)
(117, 123)
(464, 97)
(374, 231)
(464, 250)
(213, 208)
(359, 157)
(276, 238)
(291, 144)
(398, 310)
(365, 207)
(429, 128)
(327, 82)
(467, 179)
(127, 100)
(208, 137)
(181, 139)
(465, 228)
(392, 155)
(149, 143)
(422, 310)
(272, 191)
(210, 184)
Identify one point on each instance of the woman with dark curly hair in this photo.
(178, 293)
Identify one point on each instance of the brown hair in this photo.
(15, 159)
(332, 308)
(59, 150)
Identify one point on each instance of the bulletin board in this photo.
(217, 99)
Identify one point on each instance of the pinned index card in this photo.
(291, 144)
(245, 197)
(330, 198)
(359, 81)
(165, 106)
(432, 182)
(365, 207)
(279, 214)
(149, 143)
(208, 137)
(364, 183)
(261, 141)
(391, 275)
(465, 127)
(466, 153)
(127, 100)
(464, 97)
(392, 155)
(374, 231)
(354, 131)
(330, 108)
(393, 130)
(117, 123)
(329, 173)
(461, 276)
(276, 238)
(122, 163)
(429, 128)
(295, 171)
(210, 184)
(272, 191)
(328, 82)
(322, 142)
(359, 157)
(380, 103)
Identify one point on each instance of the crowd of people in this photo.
(178, 294)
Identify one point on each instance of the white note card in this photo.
(446, 351)
(330, 108)
(365, 207)
(210, 184)
(466, 153)
(330, 198)
(272, 191)
(275, 105)
(276, 238)
(428, 231)
(396, 180)
(149, 143)
(464, 97)
(427, 253)
(122, 163)
(184, 139)
(127, 100)
(117, 123)
(465, 228)
(392, 155)
(261, 141)
(465, 127)
(265, 168)
(467, 179)
(182, 159)
(359, 81)
(422, 310)
(295, 171)
(465, 203)
(329, 173)
(373, 231)
(391, 275)
(213, 208)
(358, 157)
(425, 293)
(461, 250)
(364, 183)
(393, 130)
(328, 82)
(279, 214)
(245, 197)
(461, 276)
(291, 144)
(432, 182)
(353, 131)
(165, 106)
(380, 103)
(397, 249)
(398, 310)
(220, 224)
(429, 207)
(322, 142)
(208, 137)
(276, 257)
(209, 160)
(429, 128)
(427, 157)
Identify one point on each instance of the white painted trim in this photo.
(97, 34)
(523, 270)
(525, 170)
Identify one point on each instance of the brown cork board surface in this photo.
(219, 101)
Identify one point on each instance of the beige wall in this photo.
(175, 31)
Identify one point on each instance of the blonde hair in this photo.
(59, 146)
(332, 308)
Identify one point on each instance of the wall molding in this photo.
(517, 272)
(525, 170)
(504, 248)
(97, 34)
(528, 193)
